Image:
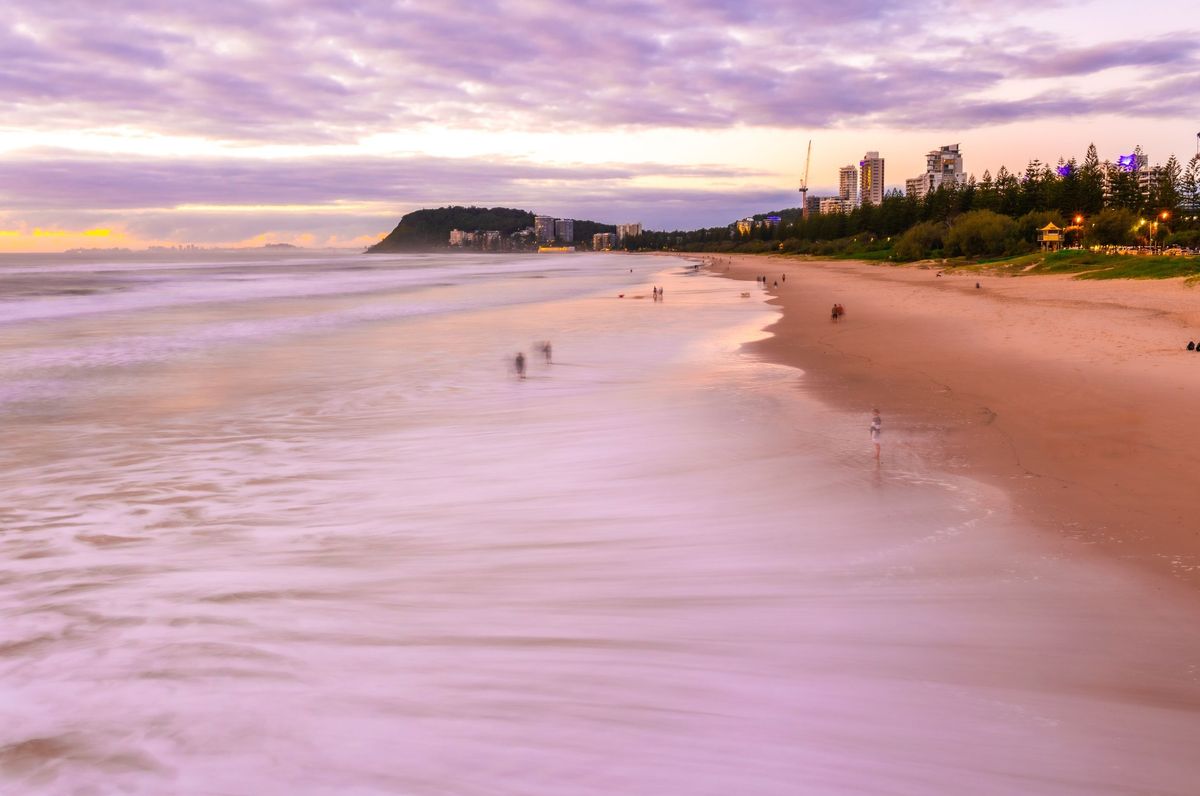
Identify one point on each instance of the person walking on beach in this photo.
(519, 364)
(546, 350)
(876, 429)
(833, 314)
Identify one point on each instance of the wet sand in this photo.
(1076, 397)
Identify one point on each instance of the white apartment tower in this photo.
(871, 179)
(564, 230)
(946, 166)
(943, 166)
(848, 186)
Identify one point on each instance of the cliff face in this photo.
(430, 229)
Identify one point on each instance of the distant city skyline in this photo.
(323, 123)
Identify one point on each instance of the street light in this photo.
(1163, 216)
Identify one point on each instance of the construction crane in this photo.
(804, 184)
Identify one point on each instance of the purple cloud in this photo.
(328, 70)
(153, 197)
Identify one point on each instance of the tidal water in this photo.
(289, 524)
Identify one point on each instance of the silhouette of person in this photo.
(1191, 346)
(519, 363)
(876, 430)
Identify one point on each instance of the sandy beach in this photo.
(1076, 397)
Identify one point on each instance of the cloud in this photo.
(328, 70)
(224, 200)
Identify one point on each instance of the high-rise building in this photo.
(943, 166)
(834, 204)
(631, 230)
(917, 187)
(564, 230)
(543, 228)
(456, 237)
(946, 166)
(848, 185)
(604, 240)
(871, 178)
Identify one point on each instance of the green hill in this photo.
(430, 228)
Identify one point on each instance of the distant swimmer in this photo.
(876, 430)
(519, 364)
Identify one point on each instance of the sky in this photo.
(131, 123)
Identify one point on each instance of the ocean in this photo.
(288, 522)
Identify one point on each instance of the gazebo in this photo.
(1050, 237)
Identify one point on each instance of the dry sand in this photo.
(1077, 397)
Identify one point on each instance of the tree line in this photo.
(1099, 203)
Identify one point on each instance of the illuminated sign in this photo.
(1065, 171)
(1128, 162)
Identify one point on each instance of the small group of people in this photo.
(519, 360)
(1193, 346)
(658, 294)
(837, 312)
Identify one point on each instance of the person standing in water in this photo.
(876, 429)
(519, 364)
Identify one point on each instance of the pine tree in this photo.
(1091, 183)
(1166, 188)
(1189, 187)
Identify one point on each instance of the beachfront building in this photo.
(813, 204)
(457, 237)
(631, 230)
(943, 166)
(564, 230)
(603, 241)
(745, 226)
(835, 204)
(543, 228)
(917, 187)
(870, 181)
(848, 185)
(946, 166)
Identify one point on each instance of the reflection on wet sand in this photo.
(332, 556)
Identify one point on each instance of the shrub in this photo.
(919, 241)
(1113, 226)
(982, 233)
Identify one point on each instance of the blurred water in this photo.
(288, 524)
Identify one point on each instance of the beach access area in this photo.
(1079, 398)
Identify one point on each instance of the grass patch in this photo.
(1095, 265)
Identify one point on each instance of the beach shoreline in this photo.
(1072, 396)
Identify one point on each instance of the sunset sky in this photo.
(321, 122)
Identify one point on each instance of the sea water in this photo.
(289, 523)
